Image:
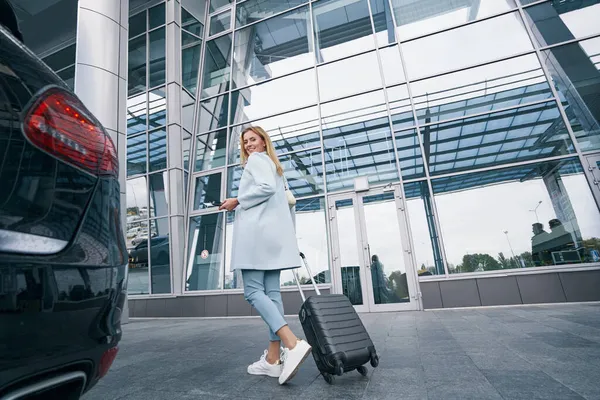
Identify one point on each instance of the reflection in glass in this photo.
(61, 59)
(468, 45)
(157, 149)
(575, 73)
(138, 279)
(157, 109)
(210, 150)
(342, 28)
(217, 66)
(273, 97)
(220, 23)
(349, 248)
(519, 134)
(534, 215)
(416, 18)
(400, 108)
(68, 76)
(156, 16)
(218, 4)
(208, 192)
(272, 48)
(234, 174)
(559, 21)
(159, 194)
(136, 155)
(233, 280)
(205, 264)
(387, 264)
(312, 241)
(251, 11)
(289, 132)
(384, 24)
(137, 24)
(409, 154)
(189, 39)
(190, 64)
(157, 58)
(136, 70)
(186, 145)
(137, 211)
(187, 112)
(349, 76)
(481, 89)
(423, 230)
(159, 256)
(357, 140)
(213, 113)
(304, 172)
(137, 107)
(190, 21)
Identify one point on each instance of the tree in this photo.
(471, 262)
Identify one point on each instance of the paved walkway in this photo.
(540, 352)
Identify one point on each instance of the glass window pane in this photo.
(187, 117)
(349, 260)
(138, 281)
(137, 198)
(234, 174)
(409, 154)
(468, 45)
(289, 132)
(304, 172)
(574, 70)
(357, 142)
(559, 21)
(400, 108)
(416, 18)
(157, 59)
(136, 70)
(157, 149)
(218, 4)
(159, 194)
(210, 150)
(519, 134)
(137, 24)
(160, 261)
(157, 16)
(136, 155)
(384, 25)
(186, 143)
(61, 59)
(213, 113)
(283, 48)
(312, 241)
(233, 280)
(189, 39)
(348, 77)
(207, 192)
(192, 11)
(274, 97)
(217, 66)
(192, 24)
(424, 232)
(190, 64)
(68, 76)
(254, 10)
(482, 89)
(157, 108)
(205, 265)
(342, 28)
(137, 108)
(486, 226)
(220, 23)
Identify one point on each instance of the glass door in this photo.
(371, 253)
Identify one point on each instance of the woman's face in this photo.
(253, 143)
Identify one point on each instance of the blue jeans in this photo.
(261, 290)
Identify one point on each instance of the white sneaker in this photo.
(262, 367)
(292, 359)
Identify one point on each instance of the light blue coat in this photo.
(264, 237)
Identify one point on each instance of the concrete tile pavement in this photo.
(527, 352)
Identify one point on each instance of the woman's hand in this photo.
(229, 204)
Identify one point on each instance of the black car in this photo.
(63, 257)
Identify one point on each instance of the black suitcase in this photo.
(340, 343)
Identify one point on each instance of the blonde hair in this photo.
(269, 148)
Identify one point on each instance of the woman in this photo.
(264, 243)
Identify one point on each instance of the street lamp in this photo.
(509, 245)
(535, 211)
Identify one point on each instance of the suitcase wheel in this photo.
(363, 370)
(374, 360)
(339, 368)
(329, 378)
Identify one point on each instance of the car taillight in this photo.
(106, 361)
(59, 124)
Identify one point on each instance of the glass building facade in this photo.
(424, 140)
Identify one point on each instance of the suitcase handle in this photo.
(312, 280)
